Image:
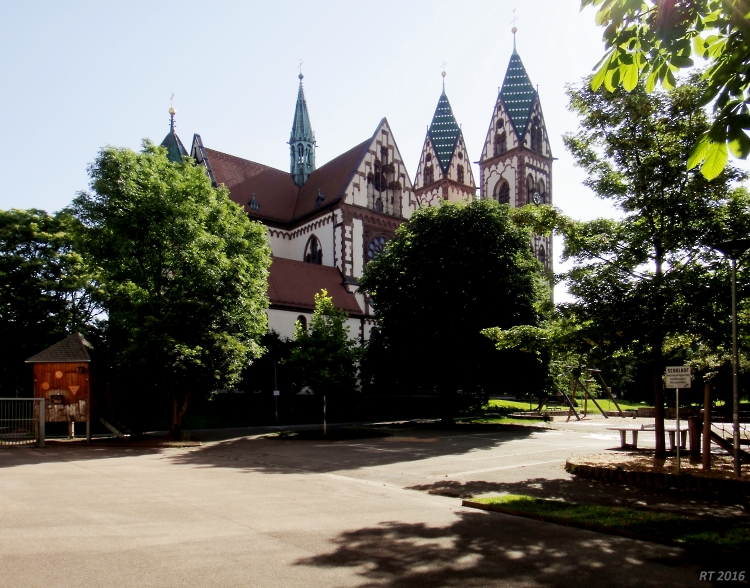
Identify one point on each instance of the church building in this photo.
(325, 223)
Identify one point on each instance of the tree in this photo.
(45, 291)
(449, 273)
(323, 356)
(650, 40)
(183, 272)
(651, 275)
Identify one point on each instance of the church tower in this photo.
(302, 141)
(515, 167)
(444, 171)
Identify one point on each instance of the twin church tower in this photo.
(325, 223)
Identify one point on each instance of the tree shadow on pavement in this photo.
(580, 490)
(489, 549)
(404, 444)
(305, 451)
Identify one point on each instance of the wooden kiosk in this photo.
(62, 378)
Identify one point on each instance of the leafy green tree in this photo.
(450, 272)
(323, 356)
(651, 274)
(45, 290)
(183, 273)
(650, 40)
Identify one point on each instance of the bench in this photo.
(623, 433)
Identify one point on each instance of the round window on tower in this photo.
(375, 247)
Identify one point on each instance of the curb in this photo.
(703, 550)
(660, 480)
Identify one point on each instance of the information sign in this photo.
(679, 376)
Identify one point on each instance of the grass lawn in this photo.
(499, 420)
(715, 533)
(606, 404)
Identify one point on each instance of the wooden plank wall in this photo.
(65, 386)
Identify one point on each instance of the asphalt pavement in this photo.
(372, 511)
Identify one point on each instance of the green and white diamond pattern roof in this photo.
(517, 93)
(444, 132)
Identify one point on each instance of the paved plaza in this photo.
(259, 511)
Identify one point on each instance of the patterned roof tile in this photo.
(518, 93)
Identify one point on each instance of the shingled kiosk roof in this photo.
(72, 349)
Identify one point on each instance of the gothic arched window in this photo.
(460, 174)
(502, 192)
(501, 144)
(313, 251)
(530, 189)
(302, 320)
(375, 247)
(429, 175)
(542, 192)
(542, 256)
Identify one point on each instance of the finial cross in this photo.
(300, 65)
(444, 64)
(514, 20)
(171, 99)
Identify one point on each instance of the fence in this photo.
(22, 421)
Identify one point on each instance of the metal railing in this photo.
(22, 421)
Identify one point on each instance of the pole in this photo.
(325, 427)
(677, 433)
(707, 427)
(275, 395)
(735, 376)
(42, 421)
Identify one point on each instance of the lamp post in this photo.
(733, 249)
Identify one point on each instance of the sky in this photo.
(79, 75)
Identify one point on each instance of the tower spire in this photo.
(302, 139)
(175, 149)
(172, 112)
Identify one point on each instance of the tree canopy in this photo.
(450, 272)
(323, 355)
(183, 273)
(45, 292)
(651, 275)
(649, 40)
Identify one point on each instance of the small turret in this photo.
(302, 141)
(175, 149)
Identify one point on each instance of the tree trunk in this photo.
(180, 402)
(657, 343)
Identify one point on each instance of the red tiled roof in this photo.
(331, 179)
(277, 196)
(295, 283)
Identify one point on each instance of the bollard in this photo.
(694, 434)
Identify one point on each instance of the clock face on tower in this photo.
(537, 198)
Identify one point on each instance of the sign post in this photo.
(276, 392)
(678, 377)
